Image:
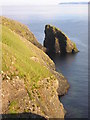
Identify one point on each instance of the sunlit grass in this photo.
(16, 56)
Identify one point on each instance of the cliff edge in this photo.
(22, 30)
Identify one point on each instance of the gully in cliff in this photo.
(57, 42)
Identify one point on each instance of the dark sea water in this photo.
(72, 20)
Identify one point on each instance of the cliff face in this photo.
(57, 42)
(30, 84)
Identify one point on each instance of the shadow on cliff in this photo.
(62, 42)
(25, 116)
(18, 116)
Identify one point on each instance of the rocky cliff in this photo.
(57, 42)
(30, 84)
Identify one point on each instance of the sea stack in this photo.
(57, 42)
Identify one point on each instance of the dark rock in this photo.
(57, 42)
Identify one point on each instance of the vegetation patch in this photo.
(13, 107)
(13, 46)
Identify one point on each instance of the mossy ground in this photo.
(13, 107)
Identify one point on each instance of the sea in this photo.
(73, 21)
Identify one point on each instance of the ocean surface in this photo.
(73, 21)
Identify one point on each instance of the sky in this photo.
(36, 2)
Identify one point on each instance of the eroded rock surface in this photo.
(57, 42)
(21, 101)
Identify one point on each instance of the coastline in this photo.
(42, 98)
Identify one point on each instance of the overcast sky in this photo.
(36, 2)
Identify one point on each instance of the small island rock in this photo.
(57, 42)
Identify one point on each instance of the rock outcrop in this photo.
(57, 42)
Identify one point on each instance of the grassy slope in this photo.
(16, 57)
(22, 30)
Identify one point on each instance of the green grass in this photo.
(13, 107)
(20, 29)
(29, 94)
(17, 52)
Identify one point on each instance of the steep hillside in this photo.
(22, 30)
(29, 80)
